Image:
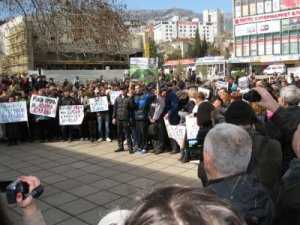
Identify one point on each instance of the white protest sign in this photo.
(43, 106)
(114, 95)
(192, 127)
(205, 91)
(176, 133)
(99, 104)
(71, 115)
(243, 83)
(13, 112)
(221, 85)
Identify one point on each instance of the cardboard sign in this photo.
(243, 83)
(176, 133)
(43, 106)
(13, 112)
(71, 115)
(99, 104)
(192, 127)
(205, 91)
(221, 85)
(114, 95)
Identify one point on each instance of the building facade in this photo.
(266, 31)
(184, 28)
(213, 25)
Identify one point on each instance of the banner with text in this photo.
(192, 127)
(13, 112)
(43, 106)
(71, 115)
(176, 133)
(99, 104)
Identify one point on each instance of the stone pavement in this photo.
(84, 181)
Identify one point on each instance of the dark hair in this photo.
(180, 205)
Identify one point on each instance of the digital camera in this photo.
(12, 188)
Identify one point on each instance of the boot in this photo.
(181, 156)
(186, 157)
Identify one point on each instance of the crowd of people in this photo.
(248, 147)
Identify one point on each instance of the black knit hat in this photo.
(240, 113)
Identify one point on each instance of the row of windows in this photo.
(269, 44)
(256, 7)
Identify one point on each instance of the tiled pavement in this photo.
(83, 181)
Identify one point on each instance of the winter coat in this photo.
(286, 120)
(247, 196)
(172, 107)
(288, 206)
(122, 108)
(266, 161)
(141, 106)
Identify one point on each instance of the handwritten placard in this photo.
(13, 112)
(71, 115)
(43, 106)
(99, 104)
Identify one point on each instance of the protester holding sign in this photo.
(12, 129)
(67, 130)
(103, 119)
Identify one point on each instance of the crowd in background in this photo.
(248, 150)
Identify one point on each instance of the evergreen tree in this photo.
(204, 48)
(197, 45)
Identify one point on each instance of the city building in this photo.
(266, 32)
(184, 28)
(20, 53)
(165, 31)
(213, 25)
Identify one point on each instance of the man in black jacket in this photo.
(122, 118)
(227, 153)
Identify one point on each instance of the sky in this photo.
(195, 5)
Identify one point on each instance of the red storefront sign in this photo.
(266, 17)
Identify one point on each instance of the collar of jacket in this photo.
(225, 178)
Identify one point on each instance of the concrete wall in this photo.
(60, 75)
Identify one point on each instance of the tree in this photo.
(197, 45)
(152, 49)
(76, 26)
(213, 51)
(175, 55)
(204, 48)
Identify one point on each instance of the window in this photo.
(246, 46)
(253, 46)
(285, 43)
(294, 42)
(277, 44)
(260, 6)
(261, 45)
(245, 7)
(252, 5)
(276, 5)
(269, 44)
(238, 47)
(268, 6)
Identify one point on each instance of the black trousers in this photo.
(67, 132)
(92, 127)
(162, 135)
(124, 131)
(141, 128)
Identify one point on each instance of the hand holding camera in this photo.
(23, 191)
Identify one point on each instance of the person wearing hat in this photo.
(266, 157)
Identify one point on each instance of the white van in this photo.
(279, 69)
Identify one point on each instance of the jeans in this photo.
(141, 128)
(103, 119)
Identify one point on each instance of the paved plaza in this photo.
(84, 181)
